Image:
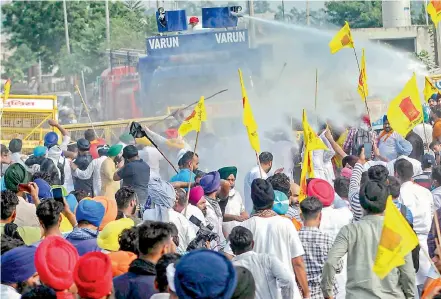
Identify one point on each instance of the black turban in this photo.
(373, 197)
(262, 194)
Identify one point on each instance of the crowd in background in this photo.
(87, 220)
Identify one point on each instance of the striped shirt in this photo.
(354, 191)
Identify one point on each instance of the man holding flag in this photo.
(360, 242)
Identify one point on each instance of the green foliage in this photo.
(134, 5)
(19, 62)
(359, 14)
(261, 6)
(36, 29)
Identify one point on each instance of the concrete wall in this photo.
(410, 38)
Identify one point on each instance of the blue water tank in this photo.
(218, 17)
(176, 20)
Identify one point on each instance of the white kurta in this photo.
(420, 202)
(216, 221)
(196, 212)
(417, 169)
(185, 232)
(249, 178)
(321, 159)
(269, 275)
(234, 207)
(277, 237)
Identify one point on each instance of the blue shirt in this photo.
(184, 175)
(409, 216)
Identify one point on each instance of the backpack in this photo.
(416, 250)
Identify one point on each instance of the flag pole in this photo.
(316, 95)
(364, 92)
(86, 108)
(189, 180)
(425, 136)
(258, 164)
(162, 154)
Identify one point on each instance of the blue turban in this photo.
(210, 182)
(404, 147)
(17, 264)
(384, 117)
(205, 274)
(44, 190)
(40, 151)
(90, 211)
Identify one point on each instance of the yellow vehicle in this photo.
(25, 117)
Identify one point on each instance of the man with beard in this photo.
(127, 203)
(232, 206)
(196, 207)
(211, 185)
(188, 164)
(391, 144)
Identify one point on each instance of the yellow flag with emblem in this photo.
(406, 111)
(248, 118)
(434, 10)
(312, 142)
(363, 90)
(397, 240)
(343, 39)
(429, 89)
(194, 121)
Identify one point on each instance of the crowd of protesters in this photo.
(87, 220)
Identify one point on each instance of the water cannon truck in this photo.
(182, 63)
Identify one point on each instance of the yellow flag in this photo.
(406, 111)
(7, 89)
(343, 39)
(429, 89)
(312, 142)
(248, 118)
(434, 10)
(362, 79)
(397, 240)
(194, 121)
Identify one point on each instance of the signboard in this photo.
(28, 104)
(234, 40)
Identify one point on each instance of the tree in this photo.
(19, 62)
(134, 5)
(359, 14)
(39, 25)
(261, 6)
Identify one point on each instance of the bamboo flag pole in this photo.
(316, 96)
(85, 107)
(364, 92)
(191, 170)
(258, 165)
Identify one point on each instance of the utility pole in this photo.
(107, 24)
(426, 14)
(283, 10)
(66, 29)
(252, 25)
(307, 13)
(108, 33)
